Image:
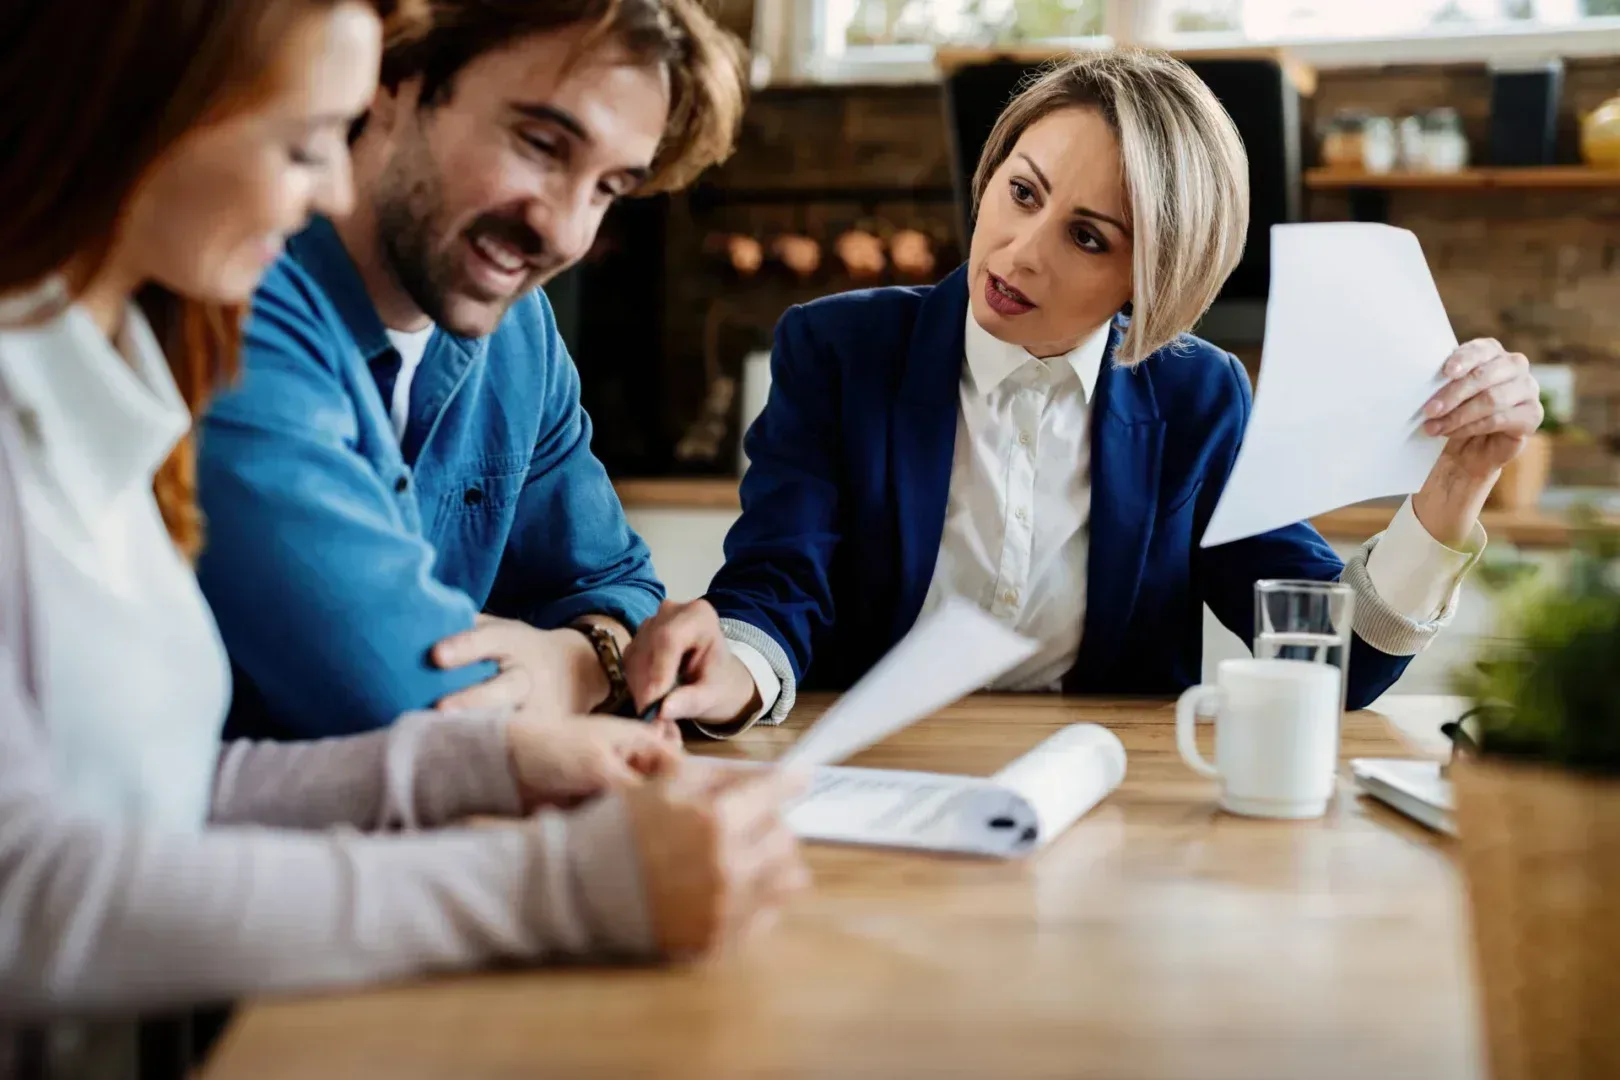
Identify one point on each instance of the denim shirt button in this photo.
(402, 484)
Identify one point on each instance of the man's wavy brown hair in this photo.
(704, 62)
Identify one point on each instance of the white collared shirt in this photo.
(1015, 539)
(134, 681)
(1018, 513)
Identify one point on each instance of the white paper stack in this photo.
(1017, 811)
(1415, 788)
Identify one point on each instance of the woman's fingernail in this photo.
(1432, 408)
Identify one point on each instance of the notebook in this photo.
(1415, 788)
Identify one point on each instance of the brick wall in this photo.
(811, 161)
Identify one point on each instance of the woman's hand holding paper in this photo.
(1486, 412)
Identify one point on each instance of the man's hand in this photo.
(545, 674)
(560, 762)
(684, 644)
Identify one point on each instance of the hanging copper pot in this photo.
(742, 255)
(800, 254)
(862, 255)
(912, 252)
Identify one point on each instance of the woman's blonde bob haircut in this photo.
(1186, 179)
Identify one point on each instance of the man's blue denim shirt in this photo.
(338, 555)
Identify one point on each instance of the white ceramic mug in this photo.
(1276, 735)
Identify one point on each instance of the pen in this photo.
(682, 678)
(650, 713)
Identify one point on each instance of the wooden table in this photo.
(1157, 938)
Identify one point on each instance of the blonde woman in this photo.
(1040, 435)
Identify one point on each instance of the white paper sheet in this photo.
(1019, 810)
(952, 652)
(1415, 788)
(1356, 336)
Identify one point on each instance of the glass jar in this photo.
(1341, 142)
(1445, 145)
(1414, 153)
(1380, 149)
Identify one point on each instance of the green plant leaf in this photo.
(1551, 690)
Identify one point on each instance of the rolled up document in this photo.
(1019, 810)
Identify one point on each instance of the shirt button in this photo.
(1009, 597)
(1021, 514)
(28, 423)
(402, 484)
(472, 496)
(1024, 439)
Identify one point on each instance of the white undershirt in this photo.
(411, 345)
(1017, 516)
(134, 682)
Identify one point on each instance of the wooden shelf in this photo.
(678, 493)
(1525, 528)
(1524, 178)
(1531, 528)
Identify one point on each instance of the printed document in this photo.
(955, 650)
(1356, 336)
(950, 653)
(1017, 811)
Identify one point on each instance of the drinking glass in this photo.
(1305, 620)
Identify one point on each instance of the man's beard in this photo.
(411, 215)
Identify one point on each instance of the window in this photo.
(895, 39)
(938, 22)
(1293, 20)
(867, 39)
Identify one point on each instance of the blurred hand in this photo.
(685, 642)
(1487, 411)
(547, 674)
(560, 762)
(716, 857)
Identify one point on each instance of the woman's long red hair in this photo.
(92, 94)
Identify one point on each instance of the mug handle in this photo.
(1186, 725)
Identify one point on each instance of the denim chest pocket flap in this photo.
(476, 491)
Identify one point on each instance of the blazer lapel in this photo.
(1127, 437)
(924, 440)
